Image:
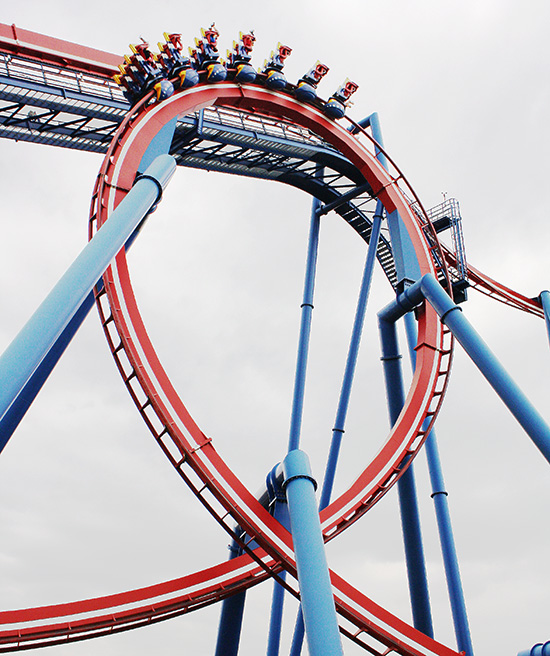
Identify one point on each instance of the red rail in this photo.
(49, 50)
(496, 290)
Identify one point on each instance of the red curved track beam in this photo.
(193, 455)
(496, 290)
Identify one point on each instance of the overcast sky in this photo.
(89, 505)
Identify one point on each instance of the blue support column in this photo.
(448, 549)
(343, 403)
(298, 635)
(322, 632)
(503, 384)
(410, 520)
(408, 271)
(21, 359)
(12, 418)
(305, 327)
(539, 649)
(231, 617)
(15, 413)
(351, 361)
(499, 379)
(406, 263)
(280, 513)
(545, 301)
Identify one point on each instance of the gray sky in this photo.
(88, 504)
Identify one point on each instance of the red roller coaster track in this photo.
(193, 455)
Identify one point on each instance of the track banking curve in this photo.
(195, 457)
(496, 290)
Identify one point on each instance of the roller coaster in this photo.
(148, 114)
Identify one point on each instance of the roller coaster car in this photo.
(239, 58)
(142, 72)
(144, 62)
(130, 88)
(273, 68)
(307, 85)
(174, 62)
(335, 106)
(206, 56)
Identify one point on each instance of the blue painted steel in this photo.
(276, 618)
(539, 649)
(545, 301)
(280, 512)
(341, 413)
(316, 595)
(159, 144)
(503, 384)
(231, 617)
(410, 519)
(414, 553)
(448, 548)
(406, 263)
(298, 635)
(15, 413)
(374, 122)
(28, 349)
(408, 270)
(305, 327)
(12, 418)
(351, 362)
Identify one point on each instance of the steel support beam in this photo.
(280, 512)
(231, 617)
(539, 649)
(410, 518)
(500, 380)
(407, 269)
(321, 623)
(23, 356)
(305, 327)
(446, 538)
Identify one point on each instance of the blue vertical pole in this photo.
(410, 519)
(448, 548)
(351, 362)
(500, 380)
(277, 602)
(503, 384)
(545, 301)
(322, 632)
(343, 403)
(231, 617)
(298, 635)
(299, 388)
(23, 356)
(407, 268)
(305, 326)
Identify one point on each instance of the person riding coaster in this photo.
(239, 58)
(307, 85)
(140, 73)
(273, 68)
(175, 63)
(335, 106)
(206, 55)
